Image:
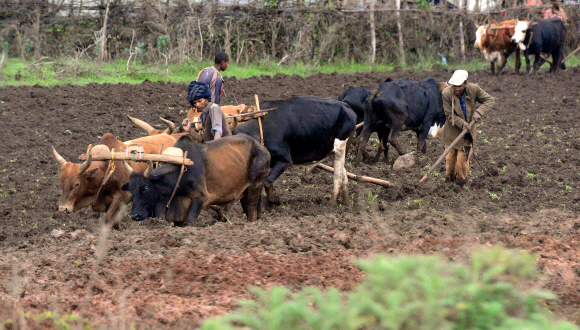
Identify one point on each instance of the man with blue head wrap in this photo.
(213, 120)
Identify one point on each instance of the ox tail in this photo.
(260, 163)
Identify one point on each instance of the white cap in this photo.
(458, 78)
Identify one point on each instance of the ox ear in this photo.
(125, 187)
(92, 172)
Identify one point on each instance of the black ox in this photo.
(303, 130)
(545, 37)
(400, 105)
(224, 171)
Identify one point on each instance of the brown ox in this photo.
(81, 182)
(495, 44)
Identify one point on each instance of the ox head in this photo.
(79, 182)
(151, 191)
(522, 33)
(481, 30)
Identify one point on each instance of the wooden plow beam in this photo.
(355, 177)
(545, 58)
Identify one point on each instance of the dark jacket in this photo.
(455, 119)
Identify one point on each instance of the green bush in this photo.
(409, 292)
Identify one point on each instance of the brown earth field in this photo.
(523, 194)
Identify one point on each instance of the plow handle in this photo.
(457, 139)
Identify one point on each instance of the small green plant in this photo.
(493, 195)
(409, 292)
(418, 202)
(503, 169)
(568, 188)
(529, 175)
(371, 197)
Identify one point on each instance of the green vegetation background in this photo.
(51, 72)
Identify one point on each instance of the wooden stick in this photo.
(569, 55)
(251, 113)
(457, 139)
(359, 125)
(502, 27)
(137, 157)
(545, 58)
(259, 119)
(358, 177)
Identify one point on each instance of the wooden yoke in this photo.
(104, 154)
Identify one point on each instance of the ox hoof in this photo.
(274, 201)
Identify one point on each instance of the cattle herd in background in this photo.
(302, 130)
(498, 40)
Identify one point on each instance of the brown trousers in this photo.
(457, 162)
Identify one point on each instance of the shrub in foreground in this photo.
(409, 292)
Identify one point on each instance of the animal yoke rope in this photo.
(177, 184)
(110, 169)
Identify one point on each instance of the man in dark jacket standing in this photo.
(459, 104)
(213, 120)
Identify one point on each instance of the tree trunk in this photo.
(373, 33)
(400, 31)
(461, 32)
(102, 56)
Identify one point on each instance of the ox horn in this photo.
(148, 170)
(139, 123)
(127, 167)
(58, 157)
(170, 126)
(83, 167)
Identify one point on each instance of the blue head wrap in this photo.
(198, 90)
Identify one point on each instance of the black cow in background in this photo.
(399, 105)
(356, 98)
(223, 171)
(303, 130)
(545, 37)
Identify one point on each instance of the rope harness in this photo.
(110, 169)
(183, 169)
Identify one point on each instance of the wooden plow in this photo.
(545, 57)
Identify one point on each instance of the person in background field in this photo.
(529, 3)
(213, 78)
(213, 120)
(555, 11)
(459, 104)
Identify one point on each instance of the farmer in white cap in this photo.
(459, 103)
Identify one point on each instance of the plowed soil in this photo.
(523, 193)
